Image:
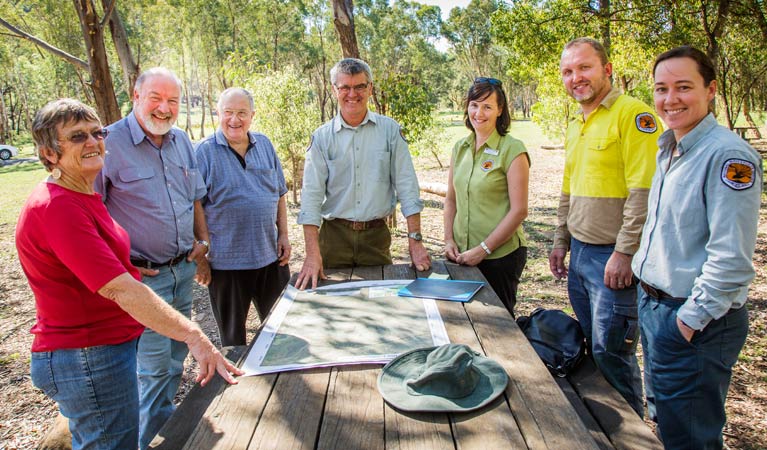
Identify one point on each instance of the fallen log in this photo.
(434, 188)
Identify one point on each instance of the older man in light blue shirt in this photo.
(358, 165)
(151, 186)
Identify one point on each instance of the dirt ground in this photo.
(26, 414)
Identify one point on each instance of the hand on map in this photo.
(209, 359)
(311, 271)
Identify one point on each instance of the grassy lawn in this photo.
(17, 181)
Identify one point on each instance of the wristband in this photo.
(484, 247)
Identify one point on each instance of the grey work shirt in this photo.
(151, 191)
(241, 203)
(358, 173)
(700, 233)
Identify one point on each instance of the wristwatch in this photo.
(205, 243)
(416, 236)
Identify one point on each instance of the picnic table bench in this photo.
(748, 133)
(340, 407)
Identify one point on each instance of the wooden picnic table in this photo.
(341, 408)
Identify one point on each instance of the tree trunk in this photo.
(343, 19)
(4, 133)
(101, 79)
(124, 54)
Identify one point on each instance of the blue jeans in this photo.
(161, 359)
(687, 382)
(96, 390)
(608, 318)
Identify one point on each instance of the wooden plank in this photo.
(591, 424)
(414, 430)
(353, 416)
(494, 426)
(292, 417)
(182, 423)
(620, 423)
(543, 413)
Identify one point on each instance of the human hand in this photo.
(618, 273)
(148, 272)
(210, 360)
(451, 250)
(557, 263)
(198, 252)
(419, 256)
(283, 250)
(202, 276)
(686, 331)
(472, 256)
(311, 272)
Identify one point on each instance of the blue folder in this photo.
(453, 290)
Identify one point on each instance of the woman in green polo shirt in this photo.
(487, 193)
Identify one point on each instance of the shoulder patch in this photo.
(487, 165)
(311, 141)
(646, 123)
(402, 135)
(738, 174)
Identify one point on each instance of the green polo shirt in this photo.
(481, 191)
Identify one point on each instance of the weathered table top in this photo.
(341, 407)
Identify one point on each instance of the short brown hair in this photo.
(595, 44)
(480, 90)
(705, 65)
(49, 117)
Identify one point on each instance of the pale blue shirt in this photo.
(358, 173)
(150, 191)
(241, 203)
(700, 233)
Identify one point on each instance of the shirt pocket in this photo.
(138, 180)
(182, 180)
(263, 181)
(382, 161)
(603, 164)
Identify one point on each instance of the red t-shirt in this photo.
(69, 248)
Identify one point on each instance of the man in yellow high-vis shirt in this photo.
(609, 163)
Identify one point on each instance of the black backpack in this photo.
(556, 337)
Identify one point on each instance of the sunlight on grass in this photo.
(17, 181)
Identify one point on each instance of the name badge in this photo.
(490, 151)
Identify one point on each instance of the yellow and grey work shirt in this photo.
(609, 164)
(482, 193)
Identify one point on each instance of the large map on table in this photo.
(348, 323)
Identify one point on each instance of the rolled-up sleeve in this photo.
(314, 185)
(733, 215)
(403, 176)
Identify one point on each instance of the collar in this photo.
(607, 102)
(338, 122)
(492, 142)
(689, 140)
(221, 139)
(138, 134)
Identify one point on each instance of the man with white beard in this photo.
(151, 186)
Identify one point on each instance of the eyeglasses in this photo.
(493, 81)
(241, 114)
(80, 137)
(358, 89)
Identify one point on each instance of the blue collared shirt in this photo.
(700, 233)
(150, 191)
(241, 203)
(358, 173)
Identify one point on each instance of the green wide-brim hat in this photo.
(449, 378)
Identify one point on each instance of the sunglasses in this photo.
(81, 136)
(493, 81)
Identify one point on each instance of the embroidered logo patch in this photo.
(738, 174)
(646, 123)
(487, 165)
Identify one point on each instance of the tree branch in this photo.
(75, 61)
(107, 13)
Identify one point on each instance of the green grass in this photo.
(17, 181)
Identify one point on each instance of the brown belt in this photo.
(359, 226)
(657, 293)
(145, 264)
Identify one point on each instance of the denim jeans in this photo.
(608, 318)
(687, 382)
(161, 359)
(96, 390)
